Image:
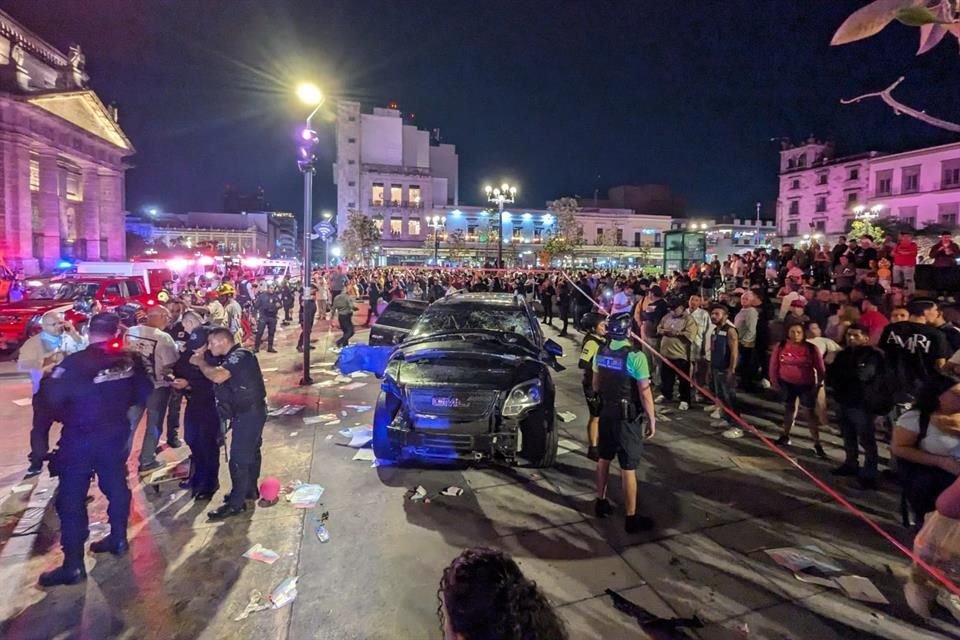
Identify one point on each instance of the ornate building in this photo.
(61, 157)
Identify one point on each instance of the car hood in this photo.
(32, 307)
(462, 363)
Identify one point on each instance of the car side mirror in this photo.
(553, 348)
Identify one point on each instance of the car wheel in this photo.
(540, 438)
(386, 410)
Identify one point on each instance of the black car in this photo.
(395, 322)
(470, 382)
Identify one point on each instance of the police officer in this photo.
(287, 297)
(267, 305)
(621, 377)
(200, 418)
(241, 399)
(165, 294)
(593, 324)
(94, 440)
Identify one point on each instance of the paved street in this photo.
(377, 576)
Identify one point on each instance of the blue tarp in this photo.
(362, 357)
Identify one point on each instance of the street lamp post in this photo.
(506, 194)
(310, 95)
(436, 223)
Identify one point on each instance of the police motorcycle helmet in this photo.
(618, 325)
(591, 320)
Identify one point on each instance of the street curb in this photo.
(16, 375)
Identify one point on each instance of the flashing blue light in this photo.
(63, 264)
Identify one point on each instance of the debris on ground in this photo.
(360, 437)
(830, 583)
(418, 494)
(269, 370)
(99, 530)
(352, 386)
(23, 402)
(760, 463)
(329, 436)
(293, 433)
(343, 414)
(325, 417)
(733, 433)
(565, 445)
(860, 588)
(260, 553)
(743, 629)
(325, 383)
(329, 372)
(254, 604)
(566, 416)
(364, 454)
(322, 534)
(284, 593)
(803, 558)
(359, 408)
(20, 488)
(305, 495)
(452, 491)
(286, 410)
(650, 622)
(343, 379)
(332, 423)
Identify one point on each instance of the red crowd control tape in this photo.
(933, 571)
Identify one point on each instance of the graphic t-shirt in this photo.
(913, 350)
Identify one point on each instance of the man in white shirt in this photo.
(622, 302)
(39, 355)
(158, 352)
(702, 318)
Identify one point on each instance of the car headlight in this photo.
(522, 397)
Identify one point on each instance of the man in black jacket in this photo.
(267, 306)
(857, 379)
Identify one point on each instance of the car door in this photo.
(395, 322)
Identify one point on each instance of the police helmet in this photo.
(618, 325)
(591, 320)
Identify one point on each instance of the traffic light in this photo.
(307, 160)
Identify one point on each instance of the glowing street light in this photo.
(310, 95)
(505, 194)
(436, 223)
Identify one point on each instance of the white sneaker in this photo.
(659, 399)
(765, 384)
(719, 423)
(733, 433)
(683, 406)
(710, 408)
(717, 414)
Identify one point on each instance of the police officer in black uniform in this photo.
(267, 305)
(593, 324)
(621, 377)
(92, 392)
(200, 418)
(241, 399)
(287, 297)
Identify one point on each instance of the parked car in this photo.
(395, 322)
(470, 381)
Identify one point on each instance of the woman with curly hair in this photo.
(484, 596)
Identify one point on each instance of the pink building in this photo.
(61, 157)
(820, 195)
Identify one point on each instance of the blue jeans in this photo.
(724, 390)
(156, 410)
(857, 427)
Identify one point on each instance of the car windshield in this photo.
(400, 314)
(460, 318)
(76, 290)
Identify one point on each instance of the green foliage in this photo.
(360, 237)
(871, 20)
(456, 245)
(557, 246)
(916, 16)
(866, 227)
(564, 211)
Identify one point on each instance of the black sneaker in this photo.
(818, 449)
(637, 523)
(593, 453)
(868, 484)
(33, 471)
(147, 468)
(783, 441)
(602, 507)
(62, 576)
(271, 350)
(226, 511)
(174, 442)
(107, 545)
(845, 470)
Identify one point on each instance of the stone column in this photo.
(112, 227)
(17, 207)
(89, 226)
(49, 210)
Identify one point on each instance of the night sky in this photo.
(559, 97)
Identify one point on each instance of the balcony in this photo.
(395, 169)
(396, 204)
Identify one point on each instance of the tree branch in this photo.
(899, 108)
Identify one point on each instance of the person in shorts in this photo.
(797, 371)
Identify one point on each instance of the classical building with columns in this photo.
(61, 157)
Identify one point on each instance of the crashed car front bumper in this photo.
(456, 441)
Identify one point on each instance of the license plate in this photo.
(448, 403)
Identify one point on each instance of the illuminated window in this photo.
(73, 186)
(538, 234)
(413, 227)
(396, 226)
(415, 195)
(471, 232)
(396, 194)
(516, 233)
(34, 175)
(619, 236)
(599, 234)
(376, 194)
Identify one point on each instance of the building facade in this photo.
(227, 233)
(62, 157)
(729, 236)
(388, 167)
